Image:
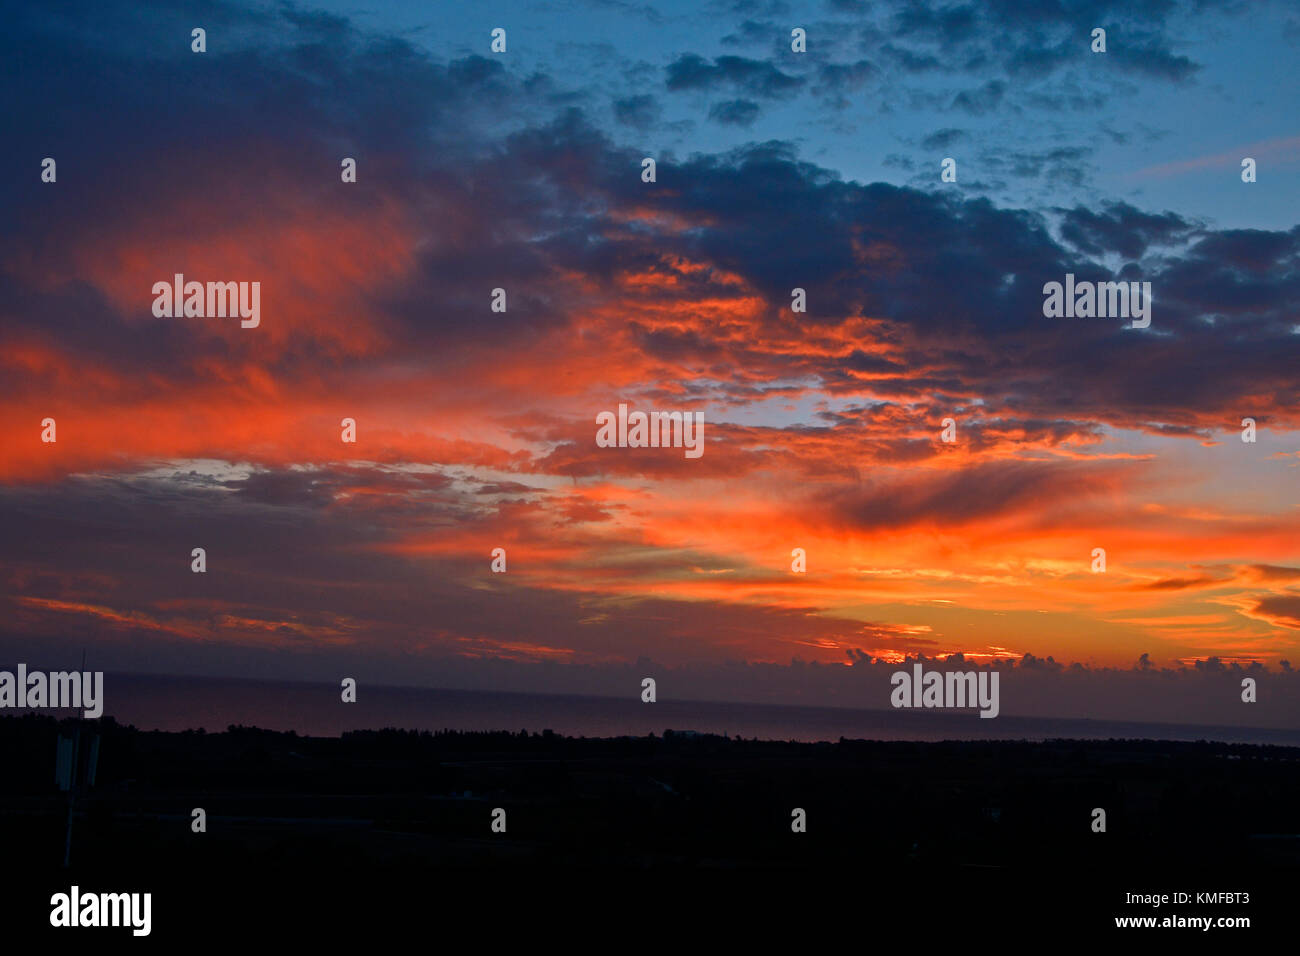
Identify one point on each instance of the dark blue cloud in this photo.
(754, 78)
(735, 112)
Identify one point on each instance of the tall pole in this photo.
(76, 777)
(72, 796)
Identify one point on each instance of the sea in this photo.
(176, 703)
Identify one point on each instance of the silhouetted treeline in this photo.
(397, 797)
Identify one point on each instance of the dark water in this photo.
(181, 703)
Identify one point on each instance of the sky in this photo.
(476, 429)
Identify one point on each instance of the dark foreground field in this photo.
(321, 831)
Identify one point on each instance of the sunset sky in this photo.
(476, 429)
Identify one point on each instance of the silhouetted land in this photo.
(379, 806)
